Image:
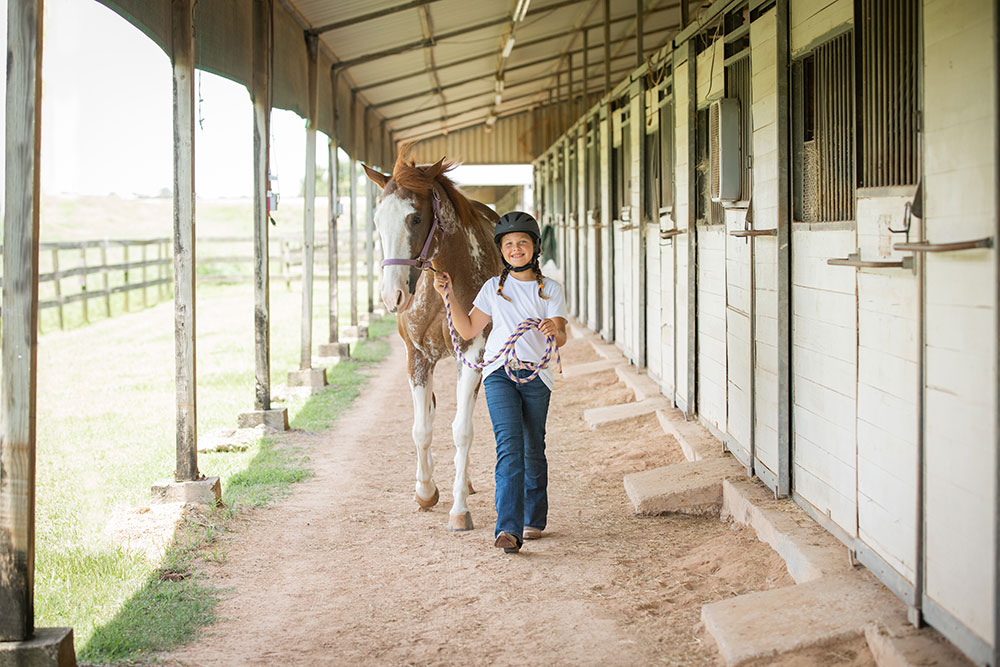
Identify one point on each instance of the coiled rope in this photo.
(511, 362)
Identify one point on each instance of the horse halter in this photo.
(421, 262)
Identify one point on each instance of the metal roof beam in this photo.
(360, 60)
(346, 23)
(533, 42)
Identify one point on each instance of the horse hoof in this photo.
(427, 504)
(471, 490)
(458, 522)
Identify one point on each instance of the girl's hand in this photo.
(548, 328)
(441, 282)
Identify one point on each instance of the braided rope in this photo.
(511, 362)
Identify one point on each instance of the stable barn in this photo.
(785, 212)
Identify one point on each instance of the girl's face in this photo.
(517, 248)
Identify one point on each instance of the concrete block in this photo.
(607, 350)
(641, 384)
(309, 377)
(355, 333)
(334, 350)
(207, 491)
(48, 647)
(615, 413)
(686, 488)
(589, 368)
(809, 551)
(276, 419)
(769, 623)
(912, 647)
(695, 440)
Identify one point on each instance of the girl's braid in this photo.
(503, 278)
(539, 277)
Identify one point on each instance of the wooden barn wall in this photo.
(811, 20)
(763, 70)
(510, 142)
(960, 290)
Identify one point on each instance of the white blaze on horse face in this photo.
(390, 220)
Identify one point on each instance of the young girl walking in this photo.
(518, 411)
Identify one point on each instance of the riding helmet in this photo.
(518, 221)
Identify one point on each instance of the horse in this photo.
(426, 226)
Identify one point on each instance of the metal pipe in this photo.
(607, 46)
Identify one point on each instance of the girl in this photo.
(518, 411)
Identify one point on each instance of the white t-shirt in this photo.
(507, 315)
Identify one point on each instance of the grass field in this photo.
(105, 434)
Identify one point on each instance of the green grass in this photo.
(105, 434)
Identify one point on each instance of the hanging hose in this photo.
(511, 362)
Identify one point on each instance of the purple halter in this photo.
(421, 262)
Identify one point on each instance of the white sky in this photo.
(107, 125)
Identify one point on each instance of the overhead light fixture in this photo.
(521, 10)
(498, 85)
(508, 47)
(496, 99)
(491, 119)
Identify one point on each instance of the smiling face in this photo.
(517, 248)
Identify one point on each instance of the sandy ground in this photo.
(348, 570)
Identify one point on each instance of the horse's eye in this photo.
(415, 219)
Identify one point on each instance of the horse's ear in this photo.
(378, 177)
(435, 170)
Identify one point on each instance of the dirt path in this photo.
(348, 570)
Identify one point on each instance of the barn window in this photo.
(707, 211)
(887, 95)
(666, 188)
(823, 132)
(737, 63)
(621, 158)
(660, 155)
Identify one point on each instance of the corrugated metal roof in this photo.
(431, 66)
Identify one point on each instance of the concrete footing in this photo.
(769, 623)
(641, 384)
(686, 488)
(336, 350)
(355, 333)
(311, 379)
(695, 440)
(615, 413)
(48, 647)
(590, 368)
(908, 647)
(276, 419)
(206, 491)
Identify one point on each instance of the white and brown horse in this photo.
(425, 222)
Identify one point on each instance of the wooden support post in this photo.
(639, 58)
(585, 71)
(638, 139)
(309, 227)
(260, 93)
(607, 46)
(354, 212)
(83, 283)
(784, 225)
(20, 319)
(692, 227)
(369, 224)
(332, 259)
(184, 250)
(143, 254)
(570, 100)
(126, 291)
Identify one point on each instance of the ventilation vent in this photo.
(724, 149)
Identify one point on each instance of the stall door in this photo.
(739, 299)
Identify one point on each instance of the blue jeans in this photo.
(518, 413)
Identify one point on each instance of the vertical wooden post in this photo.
(184, 251)
(333, 159)
(784, 225)
(145, 278)
(56, 282)
(126, 291)
(83, 282)
(607, 46)
(260, 93)
(354, 214)
(369, 223)
(309, 227)
(571, 99)
(639, 58)
(104, 278)
(692, 227)
(585, 71)
(20, 319)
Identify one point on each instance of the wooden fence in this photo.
(81, 271)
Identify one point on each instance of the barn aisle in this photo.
(348, 570)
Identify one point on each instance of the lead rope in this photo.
(511, 362)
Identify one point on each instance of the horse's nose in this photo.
(399, 300)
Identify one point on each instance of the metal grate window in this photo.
(666, 153)
(706, 211)
(737, 63)
(887, 95)
(823, 132)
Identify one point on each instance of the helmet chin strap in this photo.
(519, 269)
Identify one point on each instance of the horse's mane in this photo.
(420, 181)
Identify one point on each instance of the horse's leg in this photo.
(422, 389)
(468, 384)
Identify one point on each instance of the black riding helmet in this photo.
(519, 221)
